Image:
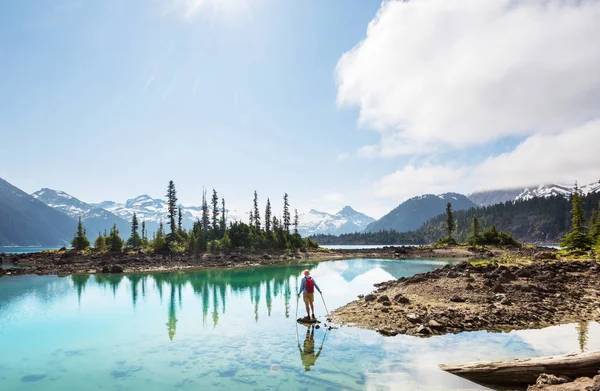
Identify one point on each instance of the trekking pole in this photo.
(324, 304)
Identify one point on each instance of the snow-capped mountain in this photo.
(154, 210)
(549, 190)
(346, 220)
(94, 218)
(486, 198)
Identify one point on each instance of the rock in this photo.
(470, 287)
(505, 301)
(523, 273)
(469, 279)
(370, 297)
(116, 269)
(361, 296)
(544, 255)
(488, 282)
(386, 331)
(385, 309)
(383, 298)
(413, 318)
(452, 274)
(401, 299)
(267, 256)
(457, 299)
(498, 288)
(549, 380)
(1, 271)
(435, 324)
(422, 330)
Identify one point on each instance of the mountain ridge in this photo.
(345, 221)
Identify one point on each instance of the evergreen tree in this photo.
(80, 242)
(577, 239)
(144, 233)
(594, 230)
(286, 214)
(251, 219)
(256, 212)
(450, 226)
(100, 243)
(172, 206)
(215, 215)
(159, 242)
(179, 220)
(134, 240)
(205, 218)
(223, 222)
(196, 239)
(474, 231)
(114, 241)
(268, 217)
(296, 221)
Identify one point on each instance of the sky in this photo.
(362, 103)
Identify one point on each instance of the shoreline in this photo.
(65, 262)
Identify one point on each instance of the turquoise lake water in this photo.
(232, 330)
(23, 250)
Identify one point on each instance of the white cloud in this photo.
(454, 73)
(564, 157)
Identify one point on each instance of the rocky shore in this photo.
(64, 262)
(465, 297)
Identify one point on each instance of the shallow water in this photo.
(231, 329)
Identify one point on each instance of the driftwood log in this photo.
(526, 371)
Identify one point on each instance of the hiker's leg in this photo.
(312, 307)
(307, 309)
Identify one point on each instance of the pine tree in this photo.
(114, 240)
(251, 219)
(450, 226)
(159, 242)
(172, 206)
(474, 231)
(286, 214)
(256, 212)
(134, 240)
(215, 215)
(144, 233)
(205, 218)
(577, 239)
(100, 243)
(80, 242)
(268, 217)
(223, 222)
(296, 221)
(594, 230)
(179, 220)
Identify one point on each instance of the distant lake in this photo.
(360, 246)
(23, 250)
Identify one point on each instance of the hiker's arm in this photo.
(301, 287)
(316, 286)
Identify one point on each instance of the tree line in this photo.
(211, 232)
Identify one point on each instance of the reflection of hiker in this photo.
(308, 356)
(307, 286)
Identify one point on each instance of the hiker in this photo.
(307, 286)
(308, 356)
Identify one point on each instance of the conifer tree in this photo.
(80, 242)
(450, 226)
(100, 243)
(179, 220)
(256, 212)
(286, 214)
(268, 217)
(134, 240)
(205, 218)
(144, 233)
(251, 219)
(172, 206)
(215, 215)
(594, 230)
(159, 242)
(223, 222)
(114, 240)
(296, 221)
(577, 239)
(474, 231)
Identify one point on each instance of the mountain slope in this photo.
(95, 220)
(487, 198)
(412, 213)
(25, 221)
(346, 220)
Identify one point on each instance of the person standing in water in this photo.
(307, 287)
(308, 355)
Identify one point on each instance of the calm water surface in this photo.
(23, 250)
(231, 330)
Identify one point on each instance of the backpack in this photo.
(309, 285)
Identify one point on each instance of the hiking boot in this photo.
(313, 317)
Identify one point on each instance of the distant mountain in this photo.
(95, 220)
(413, 213)
(26, 221)
(154, 210)
(346, 220)
(487, 198)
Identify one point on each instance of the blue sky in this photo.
(108, 100)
